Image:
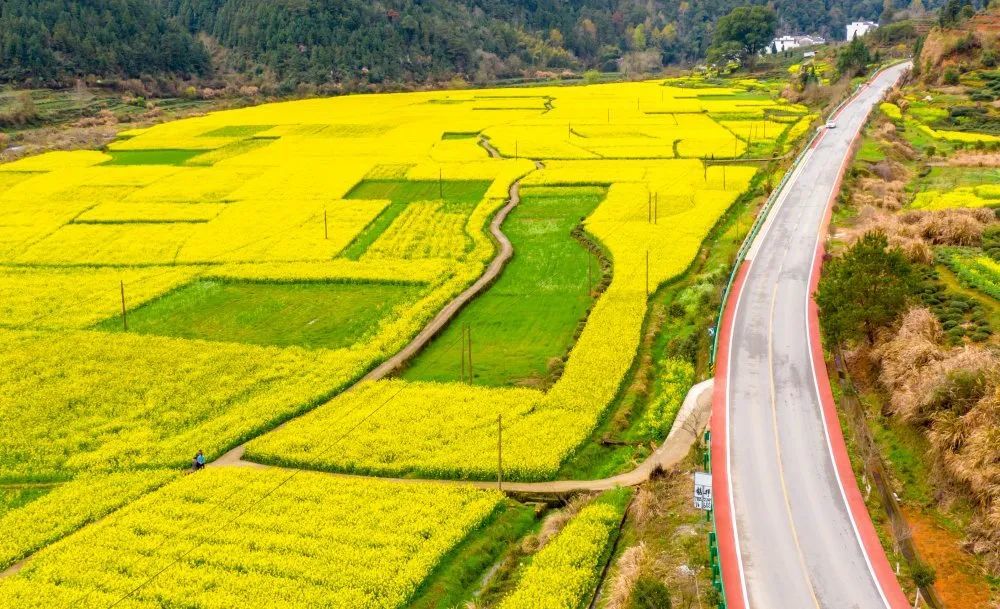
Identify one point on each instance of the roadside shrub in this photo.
(950, 77)
(650, 593)
(923, 574)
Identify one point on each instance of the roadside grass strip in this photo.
(233, 537)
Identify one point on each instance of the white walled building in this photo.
(784, 43)
(859, 28)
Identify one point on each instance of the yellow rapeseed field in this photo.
(317, 541)
(264, 194)
(282, 194)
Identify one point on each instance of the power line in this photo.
(169, 538)
(294, 473)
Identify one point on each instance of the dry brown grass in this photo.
(916, 230)
(971, 158)
(877, 192)
(644, 505)
(955, 395)
(960, 226)
(629, 566)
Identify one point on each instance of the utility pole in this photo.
(124, 317)
(326, 230)
(468, 334)
(500, 452)
(463, 353)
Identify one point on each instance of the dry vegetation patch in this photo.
(954, 393)
(915, 231)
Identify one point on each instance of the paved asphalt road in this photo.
(798, 544)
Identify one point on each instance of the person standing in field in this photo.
(199, 460)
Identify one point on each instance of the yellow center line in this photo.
(777, 443)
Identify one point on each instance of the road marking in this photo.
(728, 406)
(819, 399)
(777, 442)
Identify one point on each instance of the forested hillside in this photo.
(51, 41)
(286, 42)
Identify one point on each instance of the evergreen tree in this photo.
(744, 33)
(865, 289)
(853, 58)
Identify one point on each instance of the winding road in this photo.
(793, 529)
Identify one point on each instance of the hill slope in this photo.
(48, 41)
(335, 41)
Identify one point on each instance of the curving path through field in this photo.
(691, 420)
(505, 252)
(444, 316)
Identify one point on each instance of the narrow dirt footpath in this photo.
(452, 308)
(445, 315)
(689, 424)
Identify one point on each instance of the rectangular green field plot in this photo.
(457, 195)
(237, 131)
(528, 318)
(313, 315)
(151, 157)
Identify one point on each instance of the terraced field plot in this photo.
(268, 258)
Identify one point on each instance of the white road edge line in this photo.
(782, 197)
(819, 400)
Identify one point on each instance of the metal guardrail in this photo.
(771, 199)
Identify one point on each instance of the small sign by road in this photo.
(703, 491)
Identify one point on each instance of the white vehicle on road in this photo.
(793, 529)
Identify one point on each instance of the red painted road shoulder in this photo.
(842, 463)
(732, 579)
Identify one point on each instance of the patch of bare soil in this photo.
(960, 582)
